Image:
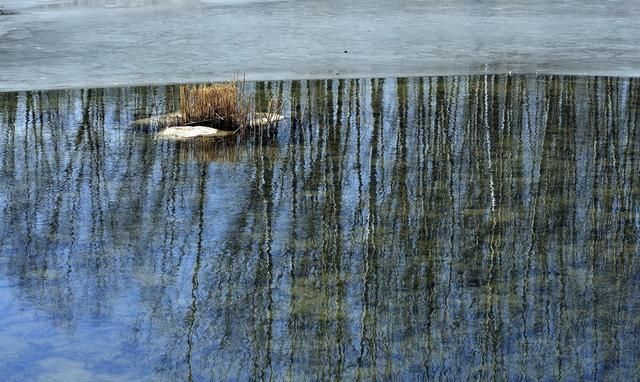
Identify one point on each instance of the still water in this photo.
(445, 228)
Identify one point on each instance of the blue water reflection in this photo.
(445, 228)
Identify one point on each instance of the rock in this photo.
(191, 132)
(257, 120)
(264, 119)
(162, 120)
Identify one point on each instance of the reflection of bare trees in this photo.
(453, 227)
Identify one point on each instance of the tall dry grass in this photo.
(221, 105)
(224, 106)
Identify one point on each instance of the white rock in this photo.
(191, 132)
(264, 119)
(164, 119)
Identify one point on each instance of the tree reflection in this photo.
(481, 227)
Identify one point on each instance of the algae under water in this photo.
(462, 227)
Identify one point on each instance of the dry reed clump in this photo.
(224, 106)
(218, 105)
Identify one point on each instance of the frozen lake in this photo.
(91, 43)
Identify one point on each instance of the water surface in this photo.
(444, 228)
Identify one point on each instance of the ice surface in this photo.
(80, 43)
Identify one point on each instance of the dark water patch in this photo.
(425, 228)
